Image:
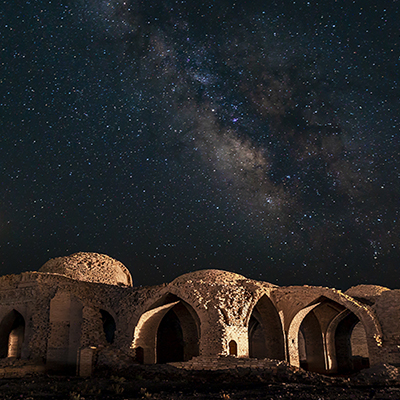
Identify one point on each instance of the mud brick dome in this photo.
(90, 267)
(86, 303)
(366, 292)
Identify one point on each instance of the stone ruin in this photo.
(82, 308)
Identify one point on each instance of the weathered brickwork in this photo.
(85, 303)
(90, 267)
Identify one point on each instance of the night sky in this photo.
(258, 138)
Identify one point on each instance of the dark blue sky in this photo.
(175, 136)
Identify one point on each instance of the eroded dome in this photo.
(366, 291)
(90, 267)
(210, 275)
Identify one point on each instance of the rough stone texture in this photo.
(359, 341)
(227, 362)
(199, 320)
(366, 292)
(387, 307)
(90, 267)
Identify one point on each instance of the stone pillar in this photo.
(65, 332)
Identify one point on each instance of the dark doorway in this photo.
(347, 362)
(109, 326)
(232, 348)
(140, 355)
(170, 345)
(12, 332)
(265, 331)
(311, 333)
(257, 345)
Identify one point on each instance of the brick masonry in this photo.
(87, 300)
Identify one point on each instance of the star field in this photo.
(258, 138)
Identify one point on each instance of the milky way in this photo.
(176, 136)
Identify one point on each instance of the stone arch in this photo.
(347, 344)
(311, 331)
(168, 331)
(343, 343)
(12, 334)
(170, 343)
(265, 331)
(293, 335)
(369, 321)
(109, 326)
(345, 306)
(330, 340)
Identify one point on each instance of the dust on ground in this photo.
(166, 382)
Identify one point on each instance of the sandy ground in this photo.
(166, 382)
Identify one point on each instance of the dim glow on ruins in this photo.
(82, 310)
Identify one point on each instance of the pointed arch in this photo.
(312, 334)
(265, 331)
(330, 340)
(170, 343)
(337, 315)
(343, 343)
(168, 331)
(293, 335)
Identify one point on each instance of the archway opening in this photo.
(328, 337)
(168, 332)
(12, 333)
(257, 346)
(265, 331)
(233, 348)
(170, 345)
(311, 344)
(109, 326)
(351, 345)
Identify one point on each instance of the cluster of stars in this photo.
(173, 136)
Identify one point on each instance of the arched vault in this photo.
(361, 311)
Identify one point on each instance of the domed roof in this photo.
(366, 291)
(210, 275)
(90, 267)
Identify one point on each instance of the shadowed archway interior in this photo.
(177, 336)
(12, 333)
(170, 344)
(351, 347)
(265, 331)
(328, 341)
(109, 326)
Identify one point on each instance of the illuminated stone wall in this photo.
(205, 314)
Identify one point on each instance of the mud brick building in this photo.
(87, 300)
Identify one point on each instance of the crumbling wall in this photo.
(387, 308)
(214, 308)
(65, 330)
(23, 293)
